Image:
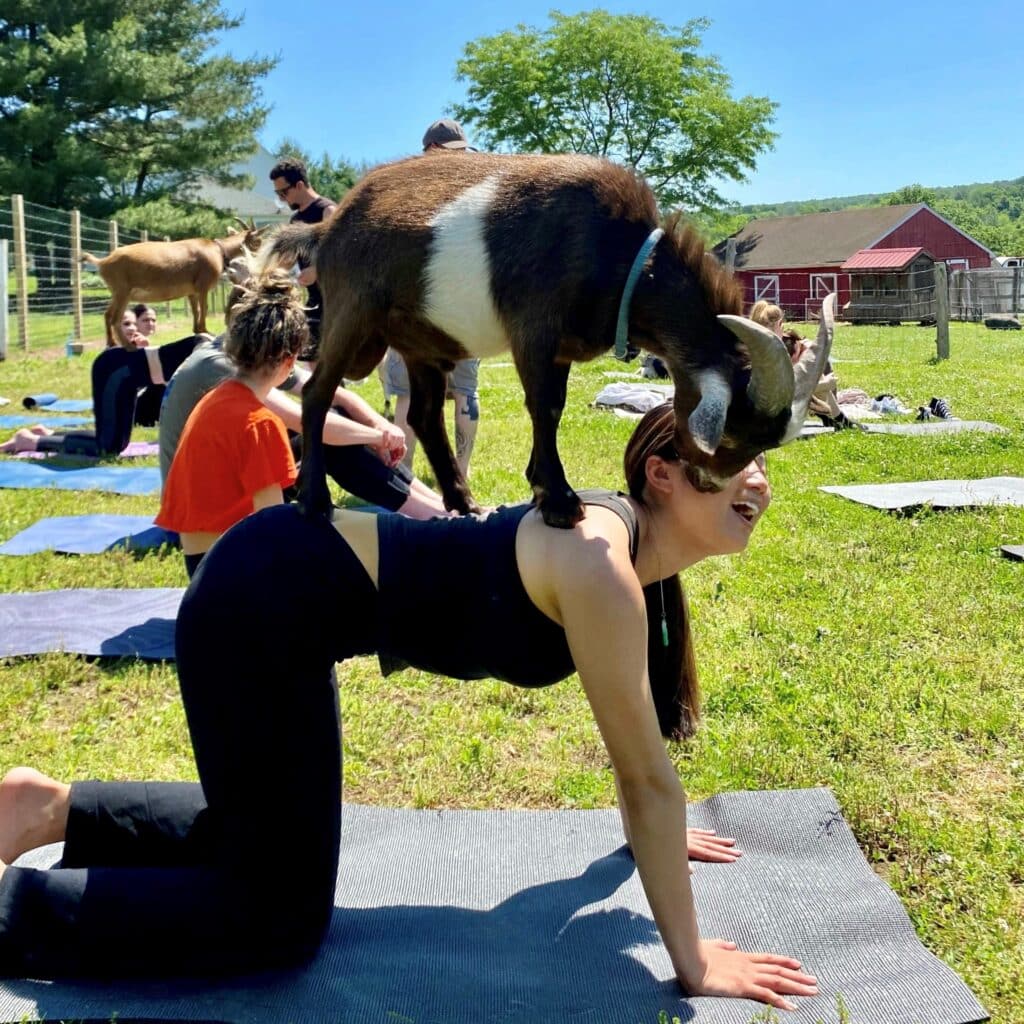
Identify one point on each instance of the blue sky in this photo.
(872, 95)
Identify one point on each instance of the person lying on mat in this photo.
(234, 455)
(127, 388)
(363, 450)
(166, 878)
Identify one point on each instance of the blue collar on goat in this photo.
(622, 324)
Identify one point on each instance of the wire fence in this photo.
(51, 297)
(890, 298)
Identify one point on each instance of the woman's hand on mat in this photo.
(705, 844)
(767, 977)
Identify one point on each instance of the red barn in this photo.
(796, 261)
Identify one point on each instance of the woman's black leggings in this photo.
(123, 395)
(236, 873)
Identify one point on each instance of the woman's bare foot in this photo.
(25, 440)
(33, 812)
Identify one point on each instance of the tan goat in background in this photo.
(161, 271)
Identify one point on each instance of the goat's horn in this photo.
(771, 373)
(809, 367)
(707, 422)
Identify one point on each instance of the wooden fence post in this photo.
(4, 298)
(941, 311)
(1015, 299)
(112, 234)
(730, 254)
(20, 267)
(76, 272)
(143, 235)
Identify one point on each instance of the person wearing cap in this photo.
(291, 185)
(444, 134)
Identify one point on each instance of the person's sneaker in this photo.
(940, 407)
(923, 414)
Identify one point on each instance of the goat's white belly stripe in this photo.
(457, 297)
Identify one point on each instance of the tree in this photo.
(110, 103)
(621, 86)
(331, 178)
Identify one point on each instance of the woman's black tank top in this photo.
(451, 600)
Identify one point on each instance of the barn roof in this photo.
(814, 239)
(884, 259)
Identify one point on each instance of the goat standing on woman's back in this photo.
(448, 259)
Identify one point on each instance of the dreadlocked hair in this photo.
(268, 324)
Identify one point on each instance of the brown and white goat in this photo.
(160, 271)
(448, 257)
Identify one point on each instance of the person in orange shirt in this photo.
(234, 457)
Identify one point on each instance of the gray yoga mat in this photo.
(522, 917)
(934, 427)
(993, 490)
(107, 623)
(1014, 551)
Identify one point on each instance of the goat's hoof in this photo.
(562, 512)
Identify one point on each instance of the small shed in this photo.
(890, 285)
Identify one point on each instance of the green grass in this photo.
(875, 654)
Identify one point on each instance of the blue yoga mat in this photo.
(107, 623)
(88, 535)
(21, 420)
(115, 479)
(54, 404)
(70, 405)
(32, 401)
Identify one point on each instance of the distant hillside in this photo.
(992, 212)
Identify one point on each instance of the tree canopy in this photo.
(622, 86)
(113, 103)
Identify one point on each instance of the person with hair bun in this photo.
(234, 456)
(602, 599)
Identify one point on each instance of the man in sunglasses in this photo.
(291, 186)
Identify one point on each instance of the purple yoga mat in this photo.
(135, 450)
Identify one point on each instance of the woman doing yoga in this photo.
(167, 878)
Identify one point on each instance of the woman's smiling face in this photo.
(721, 522)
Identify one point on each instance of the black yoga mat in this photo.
(108, 623)
(523, 917)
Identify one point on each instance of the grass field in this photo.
(882, 656)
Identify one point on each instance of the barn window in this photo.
(890, 286)
(766, 286)
(868, 284)
(821, 285)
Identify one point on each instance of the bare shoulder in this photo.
(589, 561)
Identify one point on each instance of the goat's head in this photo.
(736, 393)
(251, 235)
